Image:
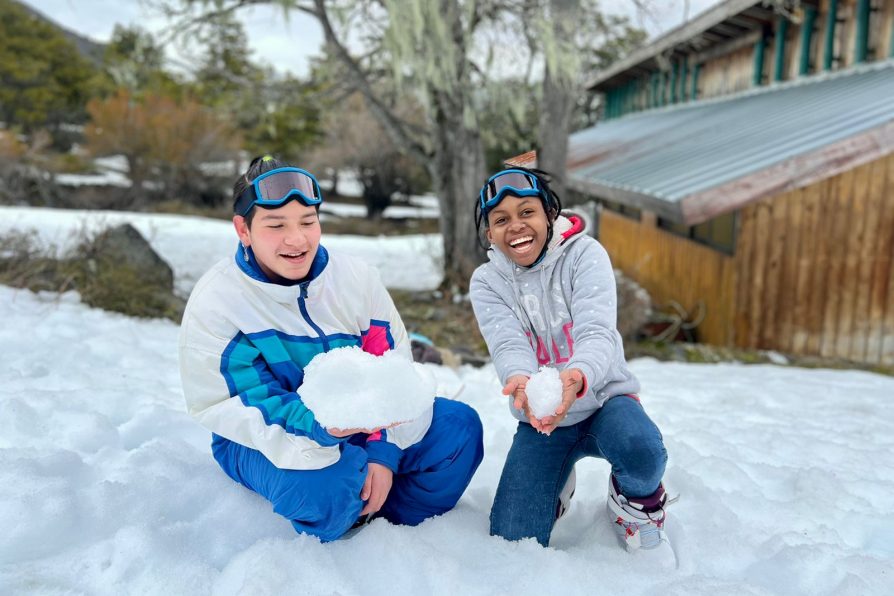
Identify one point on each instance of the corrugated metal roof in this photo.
(663, 158)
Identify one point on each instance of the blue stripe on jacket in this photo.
(265, 369)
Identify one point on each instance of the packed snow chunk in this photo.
(544, 391)
(349, 388)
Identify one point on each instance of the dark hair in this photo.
(259, 165)
(552, 204)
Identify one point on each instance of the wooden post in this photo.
(693, 93)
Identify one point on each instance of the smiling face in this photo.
(518, 228)
(284, 240)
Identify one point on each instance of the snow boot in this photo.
(362, 522)
(638, 522)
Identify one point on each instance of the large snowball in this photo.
(349, 388)
(544, 391)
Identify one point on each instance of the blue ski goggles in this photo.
(517, 183)
(276, 187)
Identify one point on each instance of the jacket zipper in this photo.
(302, 305)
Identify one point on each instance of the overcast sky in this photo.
(287, 43)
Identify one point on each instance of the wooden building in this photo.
(746, 163)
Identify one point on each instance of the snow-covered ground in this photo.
(419, 207)
(108, 487)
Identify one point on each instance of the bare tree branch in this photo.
(394, 127)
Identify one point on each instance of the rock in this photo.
(634, 306)
(125, 245)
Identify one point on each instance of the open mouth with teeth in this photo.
(522, 244)
(293, 257)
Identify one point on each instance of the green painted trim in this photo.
(684, 96)
(662, 88)
(829, 41)
(806, 38)
(861, 41)
(673, 82)
(779, 49)
(758, 75)
(693, 93)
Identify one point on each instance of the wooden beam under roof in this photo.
(731, 46)
(728, 30)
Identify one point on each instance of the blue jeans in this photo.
(538, 465)
(431, 476)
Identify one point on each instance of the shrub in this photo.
(103, 279)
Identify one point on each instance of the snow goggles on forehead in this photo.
(517, 183)
(276, 187)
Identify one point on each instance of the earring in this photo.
(245, 253)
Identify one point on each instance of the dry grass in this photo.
(447, 323)
(102, 280)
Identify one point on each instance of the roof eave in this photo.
(791, 174)
(632, 198)
(673, 38)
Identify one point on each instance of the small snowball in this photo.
(544, 391)
(349, 388)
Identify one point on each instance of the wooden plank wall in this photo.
(727, 74)
(885, 20)
(673, 268)
(814, 268)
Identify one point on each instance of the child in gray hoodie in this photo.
(547, 298)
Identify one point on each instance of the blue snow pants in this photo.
(431, 476)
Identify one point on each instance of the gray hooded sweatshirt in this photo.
(561, 312)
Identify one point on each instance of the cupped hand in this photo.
(572, 384)
(515, 387)
(376, 487)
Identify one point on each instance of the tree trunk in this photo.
(334, 189)
(457, 172)
(136, 194)
(560, 89)
(555, 123)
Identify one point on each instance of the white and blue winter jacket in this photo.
(560, 312)
(244, 343)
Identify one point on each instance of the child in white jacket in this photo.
(252, 324)
(547, 298)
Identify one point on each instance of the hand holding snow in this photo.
(349, 388)
(544, 391)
